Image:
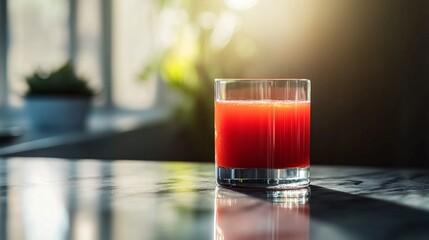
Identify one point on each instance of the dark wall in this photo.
(370, 85)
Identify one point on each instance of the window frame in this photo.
(105, 57)
(4, 36)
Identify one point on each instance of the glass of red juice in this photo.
(262, 133)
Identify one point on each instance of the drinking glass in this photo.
(262, 133)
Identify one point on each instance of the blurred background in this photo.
(152, 64)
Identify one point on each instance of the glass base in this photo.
(261, 178)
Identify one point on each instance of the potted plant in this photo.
(58, 100)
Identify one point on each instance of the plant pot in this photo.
(57, 112)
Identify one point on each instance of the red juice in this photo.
(262, 134)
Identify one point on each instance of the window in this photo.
(88, 47)
(45, 34)
(132, 48)
(38, 40)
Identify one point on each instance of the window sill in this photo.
(101, 123)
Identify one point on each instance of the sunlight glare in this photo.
(240, 4)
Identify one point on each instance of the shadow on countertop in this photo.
(160, 141)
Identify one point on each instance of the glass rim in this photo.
(260, 79)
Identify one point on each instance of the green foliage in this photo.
(198, 54)
(62, 81)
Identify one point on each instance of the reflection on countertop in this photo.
(260, 215)
(43, 198)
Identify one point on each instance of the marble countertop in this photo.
(43, 198)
